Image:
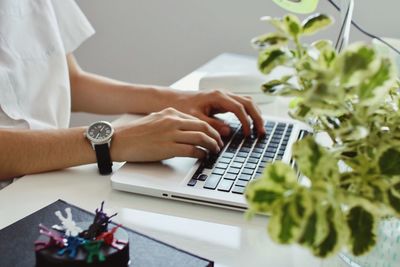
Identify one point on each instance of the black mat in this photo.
(16, 242)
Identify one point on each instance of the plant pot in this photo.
(386, 253)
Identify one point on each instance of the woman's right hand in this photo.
(162, 135)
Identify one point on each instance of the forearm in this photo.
(96, 94)
(30, 151)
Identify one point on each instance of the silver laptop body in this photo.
(177, 178)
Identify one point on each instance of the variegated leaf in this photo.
(315, 23)
(389, 162)
(314, 161)
(270, 58)
(263, 193)
(362, 227)
(292, 25)
(269, 39)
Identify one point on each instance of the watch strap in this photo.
(103, 158)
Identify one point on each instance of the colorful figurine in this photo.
(55, 239)
(110, 240)
(73, 244)
(93, 250)
(67, 224)
(99, 225)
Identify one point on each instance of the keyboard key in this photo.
(218, 171)
(239, 160)
(241, 183)
(238, 190)
(252, 160)
(269, 155)
(231, 149)
(250, 165)
(228, 155)
(192, 182)
(202, 177)
(237, 165)
(247, 171)
(245, 149)
(221, 166)
(233, 170)
(244, 177)
(260, 145)
(255, 155)
(270, 124)
(271, 149)
(212, 181)
(225, 185)
(230, 176)
(267, 159)
(275, 140)
(258, 150)
(242, 154)
(262, 165)
(273, 145)
(224, 160)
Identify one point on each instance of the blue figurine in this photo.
(73, 244)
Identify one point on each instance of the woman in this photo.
(41, 82)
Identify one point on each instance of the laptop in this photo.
(220, 179)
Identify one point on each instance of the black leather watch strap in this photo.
(103, 159)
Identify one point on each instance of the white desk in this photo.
(221, 235)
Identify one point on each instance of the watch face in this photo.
(100, 132)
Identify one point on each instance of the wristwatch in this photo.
(100, 134)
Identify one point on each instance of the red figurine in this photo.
(109, 239)
(55, 239)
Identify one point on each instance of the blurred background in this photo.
(159, 41)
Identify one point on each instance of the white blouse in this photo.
(35, 36)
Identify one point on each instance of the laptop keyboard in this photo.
(243, 158)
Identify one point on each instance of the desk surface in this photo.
(221, 235)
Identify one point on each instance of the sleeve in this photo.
(72, 23)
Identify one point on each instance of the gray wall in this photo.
(159, 41)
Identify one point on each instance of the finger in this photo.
(183, 150)
(217, 124)
(230, 104)
(197, 125)
(253, 111)
(197, 139)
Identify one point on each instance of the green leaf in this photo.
(315, 23)
(378, 84)
(393, 194)
(280, 173)
(277, 87)
(282, 227)
(314, 161)
(322, 44)
(310, 231)
(328, 245)
(389, 162)
(271, 58)
(362, 230)
(269, 39)
(275, 22)
(354, 62)
(262, 194)
(292, 25)
(332, 236)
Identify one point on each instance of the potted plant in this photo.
(351, 185)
